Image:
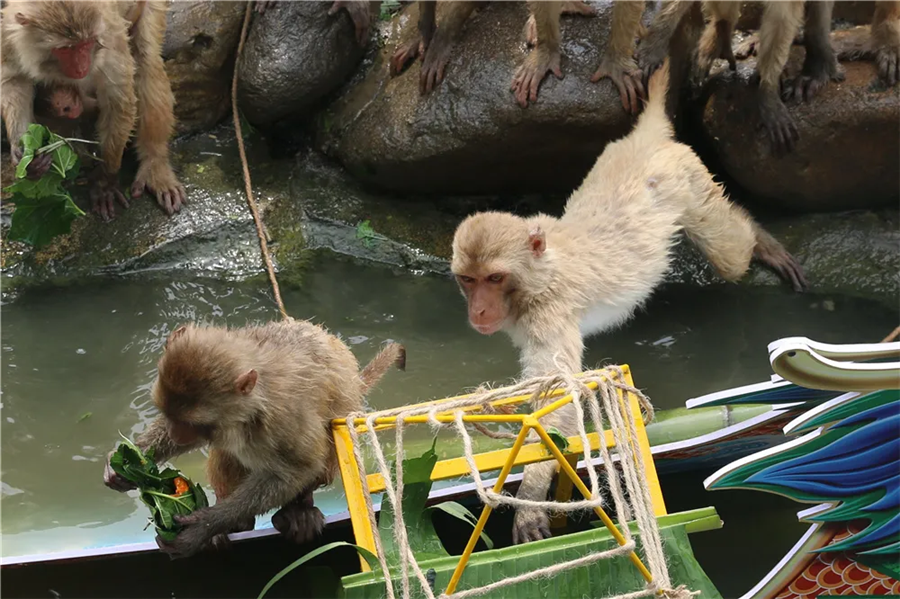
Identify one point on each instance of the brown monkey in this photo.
(548, 282)
(360, 12)
(881, 45)
(94, 46)
(262, 398)
(779, 25)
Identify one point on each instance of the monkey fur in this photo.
(111, 51)
(548, 282)
(262, 398)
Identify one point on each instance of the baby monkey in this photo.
(548, 282)
(262, 398)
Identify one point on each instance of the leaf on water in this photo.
(558, 438)
(85, 416)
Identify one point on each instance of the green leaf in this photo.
(38, 221)
(370, 557)
(558, 438)
(458, 510)
(64, 159)
(85, 416)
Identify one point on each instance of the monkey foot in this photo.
(778, 123)
(529, 76)
(774, 255)
(887, 59)
(747, 47)
(359, 14)
(570, 7)
(817, 71)
(530, 525)
(104, 194)
(716, 43)
(161, 181)
(434, 63)
(628, 80)
(298, 523)
(405, 54)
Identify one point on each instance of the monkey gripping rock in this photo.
(848, 154)
(295, 54)
(201, 38)
(469, 135)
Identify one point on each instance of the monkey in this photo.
(882, 45)
(64, 102)
(262, 398)
(435, 44)
(360, 12)
(780, 23)
(94, 46)
(549, 282)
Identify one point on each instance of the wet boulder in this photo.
(470, 135)
(848, 154)
(201, 38)
(295, 54)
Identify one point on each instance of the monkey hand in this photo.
(778, 123)
(299, 523)
(528, 77)
(112, 480)
(196, 535)
(434, 62)
(38, 166)
(406, 53)
(157, 176)
(359, 14)
(817, 72)
(627, 78)
(530, 525)
(887, 59)
(105, 193)
(770, 252)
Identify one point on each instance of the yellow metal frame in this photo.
(504, 460)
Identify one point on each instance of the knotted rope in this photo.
(608, 407)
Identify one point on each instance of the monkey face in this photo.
(487, 297)
(66, 34)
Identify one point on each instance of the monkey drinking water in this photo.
(547, 282)
(262, 399)
(108, 50)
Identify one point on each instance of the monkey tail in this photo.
(654, 117)
(391, 354)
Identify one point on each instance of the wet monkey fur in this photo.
(262, 399)
(110, 51)
(549, 282)
(440, 26)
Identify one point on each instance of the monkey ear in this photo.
(22, 19)
(537, 242)
(175, 335)
(246, 382)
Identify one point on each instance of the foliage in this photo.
(167, 493)
(44, 209)
(370, 557)
(388, 9)
(559, 439)
(366, 233)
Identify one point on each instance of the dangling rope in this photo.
(638, 502)
(263, 246)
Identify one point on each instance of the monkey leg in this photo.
(359, 14)
(300, 521)
(780, 22)
(886, 40)
(820, 65)
(570, 7)
(716, 39)
(438, 52)
(655, 43)
(418, 45)
(618, 61)
(544, 57)
(156, 117)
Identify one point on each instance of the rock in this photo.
(201, 39)
(295, 55)
(469, 135)
(848, 155)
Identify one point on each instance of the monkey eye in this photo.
(465, 279)
(495, 278)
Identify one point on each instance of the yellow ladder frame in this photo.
(504, 460)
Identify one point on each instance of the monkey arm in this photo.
(17, 106)
(156, 437)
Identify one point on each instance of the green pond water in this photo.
(78, 362)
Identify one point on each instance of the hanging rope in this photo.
(260, 233)
(608, 407)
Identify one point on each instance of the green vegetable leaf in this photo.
(38, 221)
(64, 160)
(558, 438)
(85, 416)
(458, 510)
